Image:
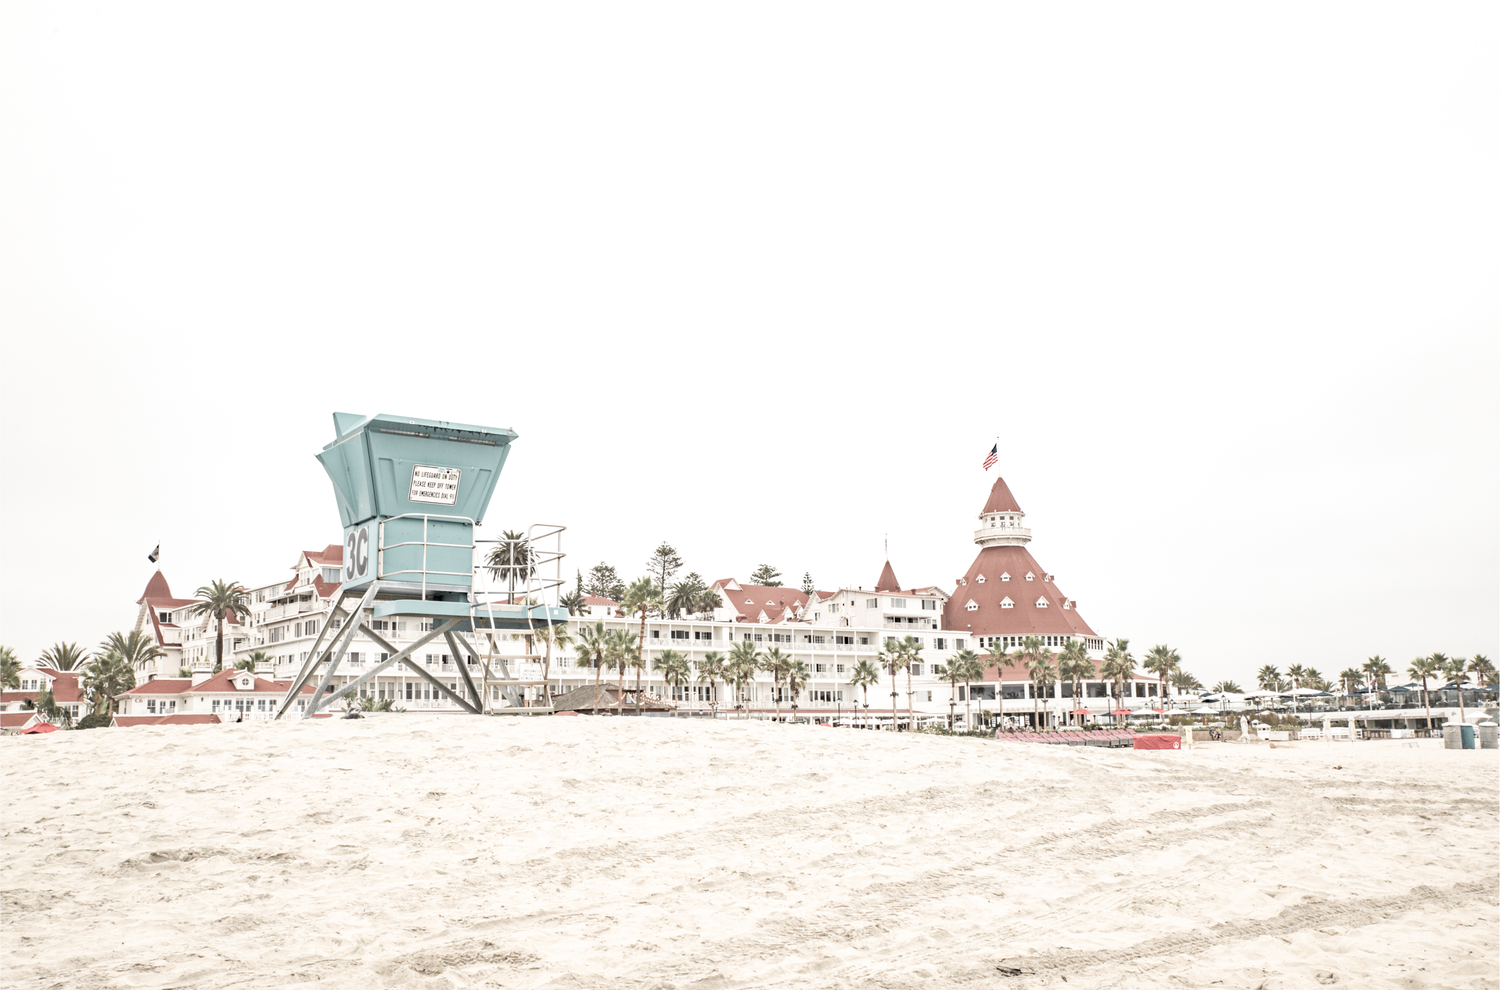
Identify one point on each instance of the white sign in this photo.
(434, 484)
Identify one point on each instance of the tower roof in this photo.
(887, 580)
(1001, 500)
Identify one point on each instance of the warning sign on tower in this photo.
(434, 484)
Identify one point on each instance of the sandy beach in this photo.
(445, 851)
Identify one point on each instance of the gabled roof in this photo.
(1000, 500)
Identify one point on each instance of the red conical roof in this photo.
(887, 581)
(156, 589)
(1001, 500)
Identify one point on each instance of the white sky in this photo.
(766, 281)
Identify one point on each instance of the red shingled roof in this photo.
(158, 595)
(1001, 500)
(1025, 618)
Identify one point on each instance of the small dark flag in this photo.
(154, 554)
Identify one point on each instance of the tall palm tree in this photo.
(637, 661)
(641, 597)
(711, 670)
(674, 669)
(893, 658)
(107, 676)
(136, 647)
(952, 673)
(1043, 672)
(512, 561)
(10, 669)
(911, 648)
(553, 636)
(1161, 660)
(1457, 671)
(63, 656)
(621, 646)
(744, 662)
(863, 676)
(1119, 666)
(219, 600)
(776, 663)
(1425, 667)
(593, 648)
(1073, 666)
(797, 675)
(1483, 670)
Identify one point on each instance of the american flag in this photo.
(992, 457)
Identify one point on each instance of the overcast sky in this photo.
(766, 281)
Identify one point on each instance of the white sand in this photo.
(445, 851)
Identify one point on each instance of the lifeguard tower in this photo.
(411, 493)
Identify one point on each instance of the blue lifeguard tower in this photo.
(411, 493)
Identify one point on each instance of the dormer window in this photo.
(973, 606)
(1007, 603)
(1005, 577)
(1041, 603)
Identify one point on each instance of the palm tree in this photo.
(1073, 665)
(135, 647)
(1457, 671)
(1425, 667)
(862, 676)
(107, 676)
(593, 648)
(893, 658)
(711, 670)
(219, 600)
(619, 647)
(744, 662)
(674, 669)
(1161, 660)
(1483, 670)
(797, 675)
(952, 673)
(511, 560)
(641, 597)
(775, 663)
(637, 661)
(62, 656)
(10, 669)
(911, 649)
(555, 635)
(1043, 673)
(1118, 666)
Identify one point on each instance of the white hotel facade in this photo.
(829, 631)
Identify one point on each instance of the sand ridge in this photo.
(445, 851)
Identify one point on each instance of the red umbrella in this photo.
(39, 727)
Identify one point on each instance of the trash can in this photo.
(1468, 736)
(1488, 738)
(1453, 736)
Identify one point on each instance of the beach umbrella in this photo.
(40, 727)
